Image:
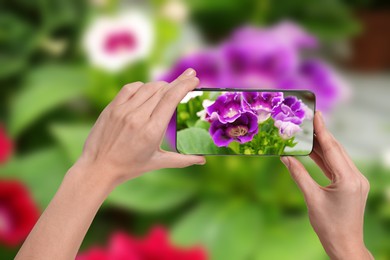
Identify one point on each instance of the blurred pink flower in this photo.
(6, 145)
(18, 212)
(114, 42)
(155, 246)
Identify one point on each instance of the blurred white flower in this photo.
(113, 42)
(202, 114)
(386, 158)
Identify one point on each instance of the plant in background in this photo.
(264, 58)
(18, 212)
(155, 245)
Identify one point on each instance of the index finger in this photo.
(167, 105)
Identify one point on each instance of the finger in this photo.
(332, 151)
(126, 92)
(165, 108)
(176, 160)
(141, 96)
(318, 160)
(303, 179)
(151, 97)
(188, 73)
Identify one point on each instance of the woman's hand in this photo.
(125, 140)
(336, 211)
(124, 143)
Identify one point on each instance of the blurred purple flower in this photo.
(226, 108)
(241, 130)
(290, 110)
(261, 103)
(267, 58)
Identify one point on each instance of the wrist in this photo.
(350, 250)
(95, 179)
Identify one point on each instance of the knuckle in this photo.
(132, 122)
(116, 114)
(354, 186)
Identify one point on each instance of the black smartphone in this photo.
(214, 121)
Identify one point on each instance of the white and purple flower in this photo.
(113, 42)
(288, 115)
(226, 108)
(242, 130)
(261, 103)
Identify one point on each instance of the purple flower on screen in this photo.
(241, 130)
(290, 110)
(288, 116)
(261, 103)
(287, 129)
(226, 108)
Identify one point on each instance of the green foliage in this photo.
(327, 19)
(267, 141)
(45, 88)
(230, 229)
(195, 140)
(154, 192)
(71, 138)
(42, 171)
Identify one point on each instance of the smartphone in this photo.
(215, 121)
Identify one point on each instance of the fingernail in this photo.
(189, 72)
(285, 160)
(201, 163)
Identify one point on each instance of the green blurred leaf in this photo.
(155, 191)
(198, 141)
(45, 88)
(289, 239)
(229, 230)
(71, 138)
(42, 171)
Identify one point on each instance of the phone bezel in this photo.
(251, 90)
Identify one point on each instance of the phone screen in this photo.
(245, 122)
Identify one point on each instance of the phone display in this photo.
(245, 122)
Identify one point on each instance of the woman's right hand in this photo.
(336, 211)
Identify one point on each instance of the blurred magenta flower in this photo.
(18, 212)
(242, 129)
(6, 145)
(264, 58)
(113, 42)
(262, 103)
(155, 246)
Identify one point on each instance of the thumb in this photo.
(177, 160)
(300, 175)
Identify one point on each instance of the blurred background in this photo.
(62, 61)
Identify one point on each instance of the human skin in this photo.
(336, 211)
(123, 144)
